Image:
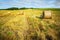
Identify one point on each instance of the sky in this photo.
(30, 3)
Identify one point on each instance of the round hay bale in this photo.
(47, 14)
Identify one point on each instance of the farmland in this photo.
(27, 25)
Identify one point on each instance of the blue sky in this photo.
(30, 3)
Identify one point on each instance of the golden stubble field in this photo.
(26, 25)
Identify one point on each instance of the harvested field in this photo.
(27, 25)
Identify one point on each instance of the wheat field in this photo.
(27, 25)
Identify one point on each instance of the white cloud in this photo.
(32, 3)
(57, 2)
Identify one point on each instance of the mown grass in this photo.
(26, 25)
